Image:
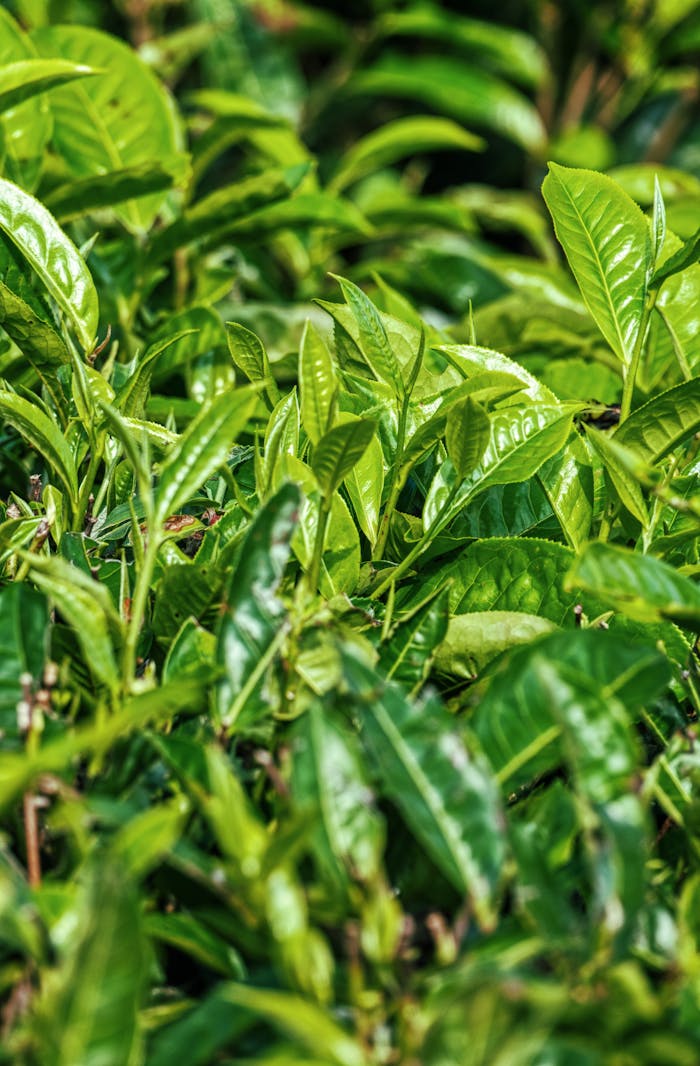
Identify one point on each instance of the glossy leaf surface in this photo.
(201, 449)
(607, 244)
(53, 258)
(441, 789)
(641, 586)
(130, 118)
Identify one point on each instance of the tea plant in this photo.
(348, 682)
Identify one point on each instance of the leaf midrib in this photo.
(587, 233)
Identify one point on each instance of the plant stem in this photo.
(86, 488)
(31, 836)
(419, 547)
(397, 486)
(398, 480)
(138, 609)
(633, 368)
(314, 572)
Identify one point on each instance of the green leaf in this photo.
(191, 653)
(301, 211)
(473, 640)
(249, 354)
(28, 77)
(658, 225)
(565, 478)
(459, 90)
(85, 195)
(307, 1024)
(25, 130)
(44, 435)
(87, 607)
(522, 439)
(55, 260)
(373, 339)
(395, 140)
(183, 592)
(317, 383)
(626, 486)
(364, 485)
(685, 257)
(639, 585)
(145, 840)
(220, 211)
(24, 620)
(338, 451)
(118, 119)
(132, 397)
(674, 335)
(406, 657)
(467, 436)
(89, 1012)
(329, 780)
(18, 771)
(607, 243)
(567, 481)
(507, 574)
(443, 793)
(26, 315)
(189, 934)
(498, 47)
(281, 438)
(208, 1026)
(202, 448)
(544, 699)
(254, 612)
(483, 387)
(656, 428)
(340, 569)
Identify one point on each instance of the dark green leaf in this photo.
(53, 258)
(42, 434)
(90, 1013)
(459, 90)
(201, 449)
(660, 425)
(330, 781)
(442, 791)
(408, 653)
(254, 612)
(639, 585)
(100, 191)
(23, 646)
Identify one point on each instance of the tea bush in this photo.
(349, 535)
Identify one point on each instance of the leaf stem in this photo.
(86, 488)
(398, 480)
(633, 368)
(314, 572)
(419, 547)
(138, 609)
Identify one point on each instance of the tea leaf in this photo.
(53, 257)
(338, 451)
(607, 243)
(201, 449)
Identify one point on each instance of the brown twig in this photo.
(31, 836)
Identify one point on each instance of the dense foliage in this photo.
(349, 534)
